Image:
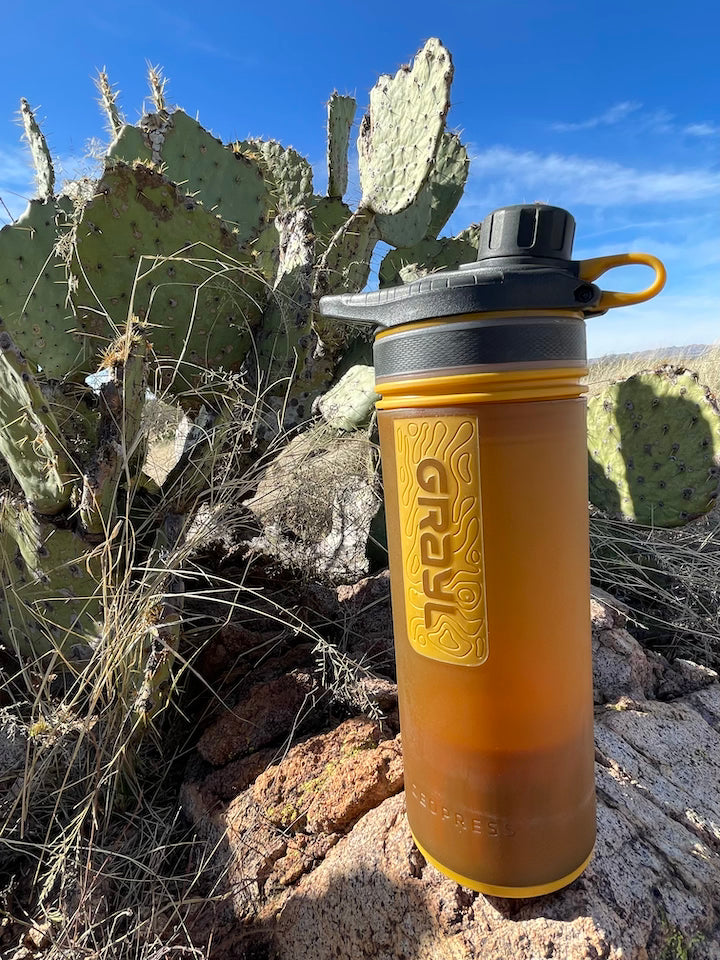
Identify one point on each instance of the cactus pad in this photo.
(654, 448)
(328, 215)
(30, 439)
(289, 175)
(130, 144)
(411, 225)
(51, 590)
(33, 291)
(428, 256)
(108, 101)
(399, 136)
(345, 265)
(200, 305)
(350, 403)
(265, 252)
(341, 114)
(446, 181)
(42, 161)
(227, 184)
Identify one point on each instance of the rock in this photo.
(366, 616)
(320, 861)
(268, 710)
(683, 676)
(316, 502)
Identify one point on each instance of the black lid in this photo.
(527, 231)
(524, 263)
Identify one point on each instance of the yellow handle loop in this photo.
(590, 270)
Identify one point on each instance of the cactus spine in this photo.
(42, 161)
(108, 101)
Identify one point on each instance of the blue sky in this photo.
(610, 109)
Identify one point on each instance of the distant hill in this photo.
(693, 350)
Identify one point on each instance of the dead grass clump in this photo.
(670, 579)
(606, 370)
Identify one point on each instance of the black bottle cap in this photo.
(536, 230)
(524, 263)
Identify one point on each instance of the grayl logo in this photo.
(435, 539)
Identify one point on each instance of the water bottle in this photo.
(482, 423)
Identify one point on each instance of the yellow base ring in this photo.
(493, 890)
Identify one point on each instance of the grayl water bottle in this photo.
(483, 446)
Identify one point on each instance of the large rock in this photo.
(317, 858)
(316, 502)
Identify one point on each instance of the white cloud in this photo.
(701, 130)
(611, 116)
(659, 121)
(501, 175)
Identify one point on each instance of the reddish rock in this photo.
(359, 783)
(267, 711)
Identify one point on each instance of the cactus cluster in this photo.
(191, 260)
(188, 258)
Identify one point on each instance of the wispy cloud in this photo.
(15, 167)
(657, 121)
(502, 175)
(187, 33)
(701, 130)
(611, 116)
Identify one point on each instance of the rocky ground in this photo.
(316, 858)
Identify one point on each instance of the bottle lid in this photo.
(524, 263)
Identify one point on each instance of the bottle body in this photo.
(486, 506)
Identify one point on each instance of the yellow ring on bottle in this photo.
(442, 391)
(494, 890)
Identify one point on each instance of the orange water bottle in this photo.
(483, 445)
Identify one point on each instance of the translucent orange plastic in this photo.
(488, 539)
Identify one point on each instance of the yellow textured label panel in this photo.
(438, 467)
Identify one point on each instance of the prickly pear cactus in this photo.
(226, 182)
(42, 161)
(33, 293)
(191, 263)
(141, 247)
(399, 136)
(341, 114)
(51, 583)
(288, 174)
(30, 438)
(407, 264)
(654, 448)
(350, 403)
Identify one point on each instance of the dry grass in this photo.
(605, 370)
(670, 578)
(96, 860)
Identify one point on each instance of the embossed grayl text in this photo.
(438, 464)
